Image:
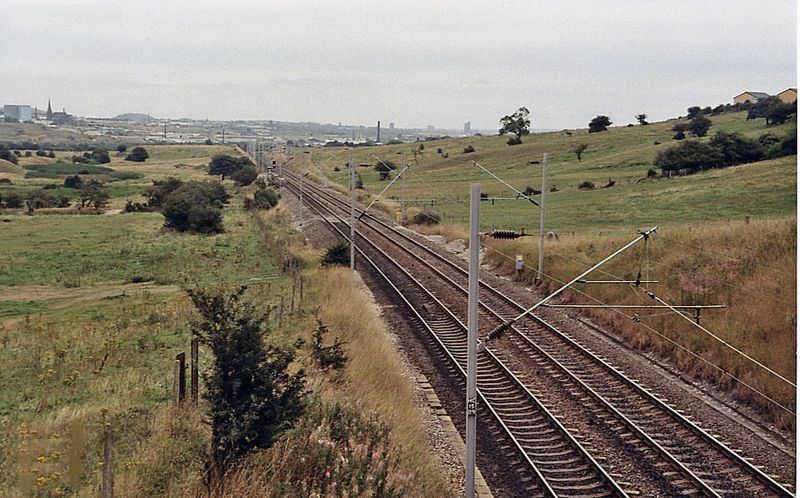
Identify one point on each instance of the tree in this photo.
(680, 130)
(101, 156)
(6, 154)
(600, 123)
(693, 112)
(642, 118)
(122, 148)
(137, 154)
(691, 154)
(699, 125)
(252, 395)
(778, 112)
(736, 148)
(195, 207)
(73, 182)
(579, 149)
(13, 200)
(157, 193)
(93, 194)
(265, 198)
(517, 124)
(245, 175)
(225, 165)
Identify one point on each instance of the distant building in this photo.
(789, 95)
(20, 113)
(467, 128)
(391, 126)
(751, 97)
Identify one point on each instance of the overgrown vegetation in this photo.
(195, 207)
(251, 393)
(338, 254)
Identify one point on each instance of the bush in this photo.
(6, 181)
(73, 181)
(326, 357)
(195, 207)
(736, 148)
(41, 153)
(138, 155)
(337, 254)
(28, 153)
(226, 165)
(101, 156)
(691, 154)
(514, 140)
(126, 175)
(14, 200)
(79, 159)
(699, 125)
(529, 191)
(121, 148)
(93, 194)
(157, 193)
(384, 166)
(252, 393)
(265, 199)
(599, 123)
(51, 154)
(652, 173)
(586, 186)
(426, 218)
(468, 149)
(245, 175)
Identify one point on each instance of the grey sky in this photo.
(414, 63)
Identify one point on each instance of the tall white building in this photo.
(21, 113)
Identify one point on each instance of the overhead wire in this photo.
(680, 346)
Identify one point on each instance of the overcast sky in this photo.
(414, 63)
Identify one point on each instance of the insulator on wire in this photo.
(505, 234)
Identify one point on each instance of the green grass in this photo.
(621, 154)
(59, 169)
(73, 251)
(19, 308)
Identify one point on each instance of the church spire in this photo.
(49, 110)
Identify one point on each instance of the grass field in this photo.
(621, 154)
(92, 313)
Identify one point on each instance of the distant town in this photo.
(144, 128)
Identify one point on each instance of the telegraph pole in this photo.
(540, 275)
(352, 212)
(472, 336)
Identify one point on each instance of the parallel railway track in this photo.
(685, 460)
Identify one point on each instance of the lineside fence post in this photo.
(195, 356)
(472, 336)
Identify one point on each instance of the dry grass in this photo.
(748, 267)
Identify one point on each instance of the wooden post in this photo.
(294, 289)
(195, 366)
(179, 380)
(108, 471)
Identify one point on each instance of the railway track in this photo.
(683, 457)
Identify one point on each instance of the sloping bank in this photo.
(363, 433)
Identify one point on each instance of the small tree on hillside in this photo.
(642, 118)
(680, 130)
(121, 148)
(138, 155)
(693, 112)
(93, 194)
(517, 124)
(226, 165)
(600, 123)
(699, 125)
(778, 112)
(579, 149)
(251, 393)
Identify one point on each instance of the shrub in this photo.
(652, 173)
(137, 154)
(101, 156)
(121, 148)
(51, 154)
(157, 193)
(468, 149)
(337, 254)
(265, 198)
(529, 191)
(514, 140)
(252, 395)
(384, 166)
(736, 148)
(79, 159)
(195, 207)
(93, 194)
(691, 154)
(599, 123)
(41, 153)
(226, 165)
(245, 175)
(699, 125)
(586, 186)
(326, 357)
(73, 181)
(39, 199)
(28, 153)
(6, 181)
(425, 217)
(126, 175)
(14, 200)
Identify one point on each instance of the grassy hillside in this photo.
(620, 154)
(705, 252)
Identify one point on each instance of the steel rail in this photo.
(705, 436)
(615, 489)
